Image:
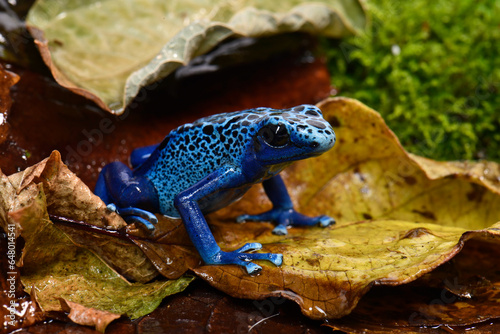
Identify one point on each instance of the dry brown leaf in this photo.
(88, 316)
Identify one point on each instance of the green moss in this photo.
(440, 93)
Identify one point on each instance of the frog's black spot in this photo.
(222, 137)
(208, 129)
(230, 141)
(191, 147)
(307, 137)
(309, 130)
(301, 127)
(312, 113)
(244, 130)
(301, 116)
(245, 123)
(252, 117)
(328, 132)
(240, 138)
(182, 147)
(299, 108)
(294, 119)
(227, 146)
(316, 124)
(235, 133)
(163, 143)
(234, 119)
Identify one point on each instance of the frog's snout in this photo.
(319, 137)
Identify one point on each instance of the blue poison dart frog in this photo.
(204, 166)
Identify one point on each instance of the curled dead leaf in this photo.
(67, 196)
(88, 316)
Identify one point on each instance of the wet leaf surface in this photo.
(7, 80)
(107, 51)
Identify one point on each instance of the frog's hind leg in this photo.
(141, 154)
(130, 196)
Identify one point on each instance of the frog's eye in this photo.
(274, 134)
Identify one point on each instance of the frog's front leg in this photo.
(283, 212)
(186, 203)
(127, 194)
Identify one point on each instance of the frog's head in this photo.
(292, 134)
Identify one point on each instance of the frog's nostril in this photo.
(314, 144)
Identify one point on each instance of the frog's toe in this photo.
(138, 213)
(252, 268)
(242, 218)
(325, 221)
(252, 246)
(140, 220)
(280, 230)
(240, 258)
(276, 259)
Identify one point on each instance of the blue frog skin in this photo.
(204, 166)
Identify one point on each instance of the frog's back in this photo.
(193, 151)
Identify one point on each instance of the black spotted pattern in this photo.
(193, 151)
